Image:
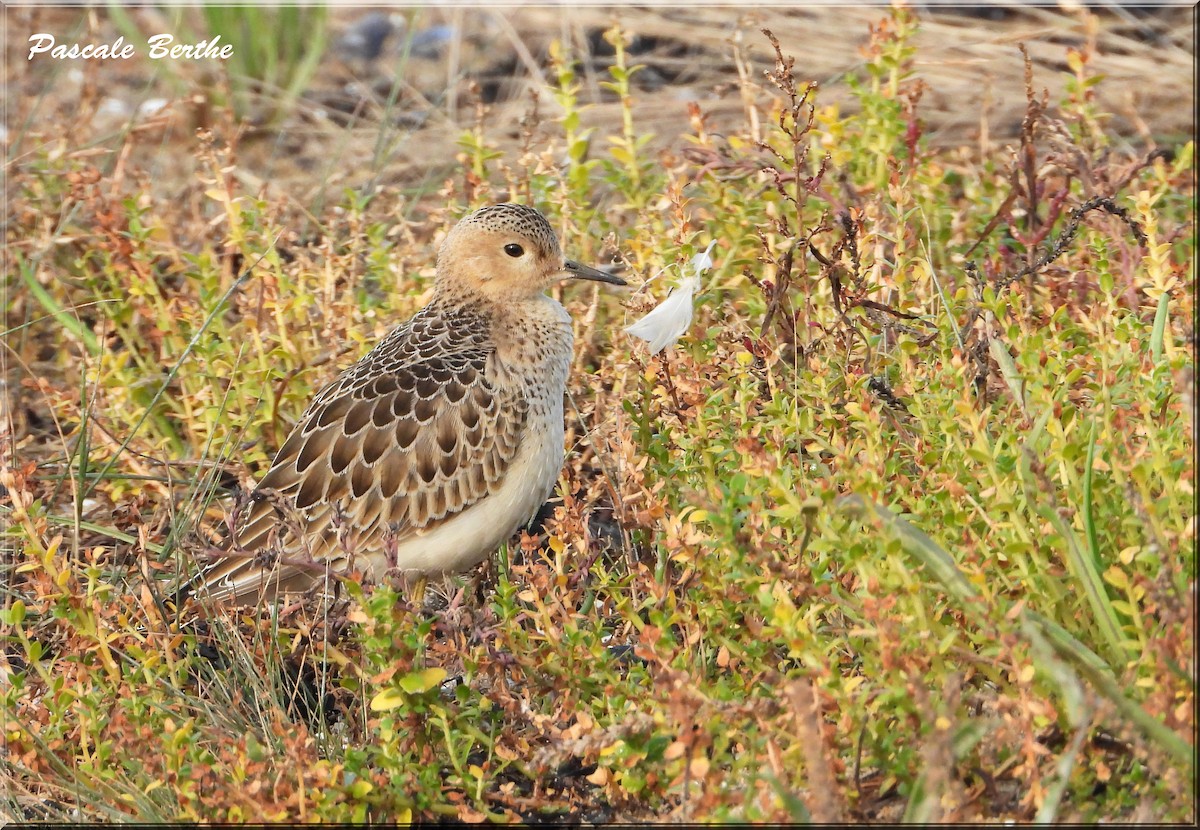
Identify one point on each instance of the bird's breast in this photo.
(534, 344)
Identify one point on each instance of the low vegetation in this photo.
(902, 527)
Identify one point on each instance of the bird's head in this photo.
(508, 252)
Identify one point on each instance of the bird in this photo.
(439, 444)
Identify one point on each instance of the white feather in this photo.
(667, 321)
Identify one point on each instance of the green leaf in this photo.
(1089, 513)
(1160, 328)
(387, 700)
(1010, 373)
(422, 681)
(13, 615)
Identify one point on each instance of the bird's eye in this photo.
(513, 249)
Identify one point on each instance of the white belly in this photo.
(470, 537)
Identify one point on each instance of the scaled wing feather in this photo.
(401, 441)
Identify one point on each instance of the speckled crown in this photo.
(518, 219)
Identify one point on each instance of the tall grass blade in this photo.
(61, 315)
(1101, 678)
(919, 545)
(1082, 566)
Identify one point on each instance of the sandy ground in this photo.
(461, 64)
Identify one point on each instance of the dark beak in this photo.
(575, 271)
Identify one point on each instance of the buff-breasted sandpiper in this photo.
(431, 451)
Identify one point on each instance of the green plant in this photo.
(909, 509)
(276, 52)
